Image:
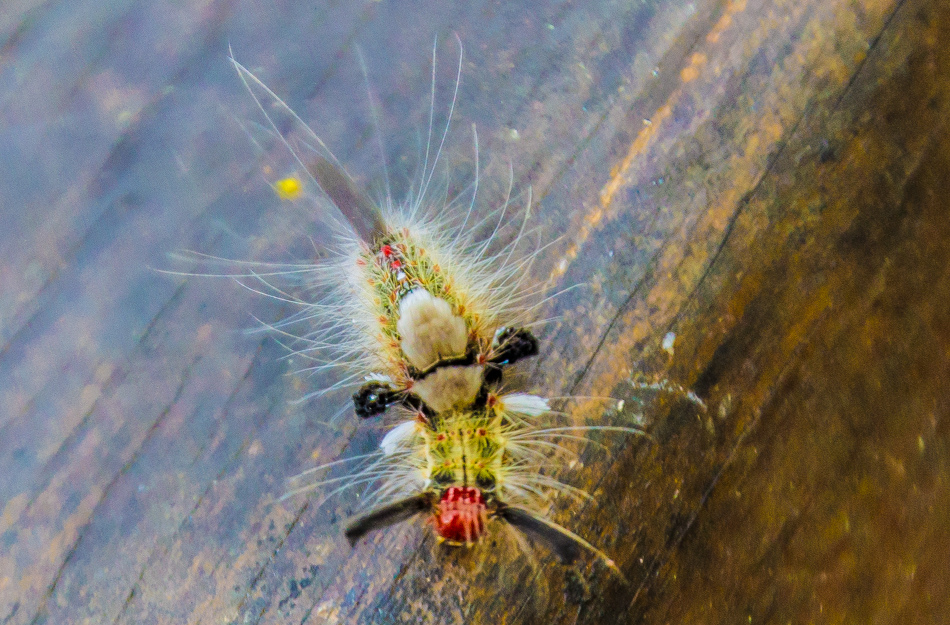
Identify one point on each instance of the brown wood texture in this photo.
(764, 178)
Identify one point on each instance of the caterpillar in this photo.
(424, 322)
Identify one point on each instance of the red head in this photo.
(461, 515)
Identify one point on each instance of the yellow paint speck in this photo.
(288, 188)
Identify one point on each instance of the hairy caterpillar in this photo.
(424, 322)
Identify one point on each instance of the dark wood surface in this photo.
(766, 179)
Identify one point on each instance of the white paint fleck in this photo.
(668, 341)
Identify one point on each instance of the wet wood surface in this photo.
(764, 179)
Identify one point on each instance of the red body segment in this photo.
(461, 515)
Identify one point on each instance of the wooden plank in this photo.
(762, 178)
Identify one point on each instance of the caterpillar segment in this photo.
(436, 342)
(473, 466)
(435, 339)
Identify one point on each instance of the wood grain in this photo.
(765, 179)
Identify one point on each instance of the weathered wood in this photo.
(764, 178)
